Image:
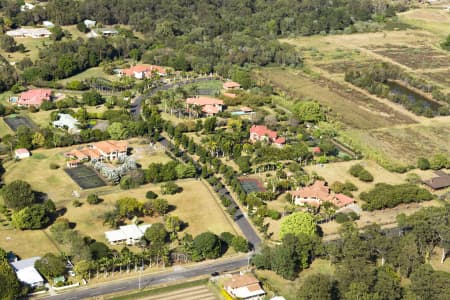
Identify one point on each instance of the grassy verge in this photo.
(160, 290)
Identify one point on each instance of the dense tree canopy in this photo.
(298, 223)
(18, 194)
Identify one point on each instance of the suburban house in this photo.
(231, 85)
(21, 153)
(244, 286)
(210, 106)
(34, 97)
(142, 71)
(442, 181)
(128, 234)
(263, 134)
(27, 273)
(104, 150)
(89, 23)
(317, 193)
(66, 121)
(29, 32)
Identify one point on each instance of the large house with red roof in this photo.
(104, 150)
(260, 133)
(143, 71)
(210, 106)
(231, 85)
(34, 97)
(318, 193)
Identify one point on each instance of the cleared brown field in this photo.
(442, 78)
(403, 144)
(422, 57)
(351, 107)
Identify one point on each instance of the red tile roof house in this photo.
(231, 85)
(263, 134)
(143, 71)
(104, 150)
(317, 193)
(34, 97)
(244, 286)
(210, 106)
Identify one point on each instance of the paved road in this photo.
(152, 279)
(136, 106)
(240, 219)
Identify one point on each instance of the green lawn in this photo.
(89, 73)
(4, 129)
(160, 290)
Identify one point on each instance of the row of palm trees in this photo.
(126, 261)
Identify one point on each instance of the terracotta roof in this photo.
(318, 190)
(111, 146)
(440, 182)
(34, 97)
(254, 287)
(238, 281)
(231, 85)
(341, 200)
(230, 95)
(280, 141)
(94, 152)
(262, 130)
(147, 69)
(316, 150)
(209, 109)
(204, 100)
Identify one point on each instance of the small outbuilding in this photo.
(89, 23)
(48, 24)
(22, 153)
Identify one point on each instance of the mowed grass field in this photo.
(26, 243)
(89, 73)
(32, 47)
(196, 205)
(4, 128)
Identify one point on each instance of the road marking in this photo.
(119, 288)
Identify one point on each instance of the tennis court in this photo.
(251, 185)
(85, 177)
(14, 122)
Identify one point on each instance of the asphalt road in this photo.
(151, 279)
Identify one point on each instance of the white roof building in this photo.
(29, 32)
(89, 23)
(22, 153)
(128, 234)
(27, 6)
(27, 273)
(67, 121)
(48, 24)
